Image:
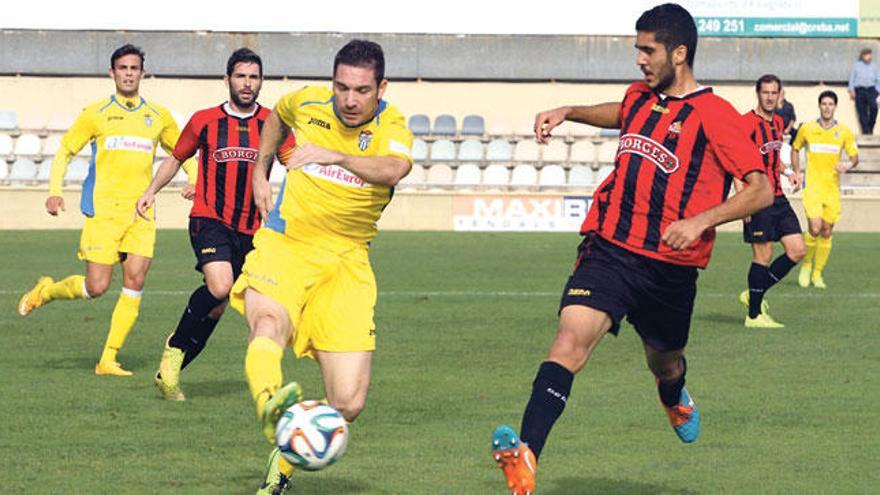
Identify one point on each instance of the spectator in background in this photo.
(785, 110)
(864, 85)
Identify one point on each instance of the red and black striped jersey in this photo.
(227, 146)
(767, 134)
(676, 158)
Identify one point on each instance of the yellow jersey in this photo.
(823, 153)
(123, 134)
(328, 203)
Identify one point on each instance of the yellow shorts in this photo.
(105, 237)
(328, 293)
(822, 204)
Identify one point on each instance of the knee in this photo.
(219, 288)
(797, 253)
(825, 232)
(96, 287)
(815, 231)
(569, 351)
(349, 407)
(666, 371)
(135, 281)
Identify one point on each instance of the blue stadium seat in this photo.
(443, 150)
(470, 150)
(499, 150)
(8, 120)
(23, 170)
(4, 171)
(473, 125)
(420, 125)
(45, 170)
(606, 133)
(444, 125)
(419, 150)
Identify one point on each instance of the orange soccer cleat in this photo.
(515, 459)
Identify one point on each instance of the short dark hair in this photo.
(243, 56)
(362, 53)
(828, 94)
(767, 79)
(127, 49)
(672, 26)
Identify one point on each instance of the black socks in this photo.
(549, 394)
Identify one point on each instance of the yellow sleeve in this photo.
(170, 131)
(849, 144)
(799, 140)
(286, 107)
(81, 132)
(396, 139)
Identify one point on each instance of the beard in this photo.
(665, 78)
(233, 97)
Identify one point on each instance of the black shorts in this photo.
(772, 223)
(655, 296)
(212, 240)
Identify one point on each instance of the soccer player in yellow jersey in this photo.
(824, 139)
(308, 282)
(123, 131)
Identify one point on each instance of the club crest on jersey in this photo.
(675, 127)
(235, 154)
(365, 139)
(148, 120)
(647, 148)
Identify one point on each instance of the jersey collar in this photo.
(124, 103)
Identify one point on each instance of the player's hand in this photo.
(262, 195)
(54, 204)
(144, 203)
(188, 192)
(683, 233)
(842, 167)
(795, 180)
(311, 153)
(546, 121)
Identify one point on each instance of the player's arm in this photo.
(753, 198)
(796, 178)
(80, 133)
(849, 144)
(167, 170)
(273, 134)
(385, 170)
(605, 115)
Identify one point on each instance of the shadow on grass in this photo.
(587, 486)
(214, 388)
(303, 483)
(729, 318)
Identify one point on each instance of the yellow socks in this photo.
(124, 316)
(823, 250)
(262, 367)
(72, 287)
(810, 243)
(285, 467)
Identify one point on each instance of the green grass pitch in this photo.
(463, 321)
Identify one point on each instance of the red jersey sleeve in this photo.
(187, 143)
(736, 153)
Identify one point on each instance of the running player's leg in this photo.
(346, 380)
(92, 285)
(814, 227)
(669, 368)
(758, 278)
(795, 250)
(823, 251)
(270, 331)
(134, 272)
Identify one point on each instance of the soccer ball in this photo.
(311, 435)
